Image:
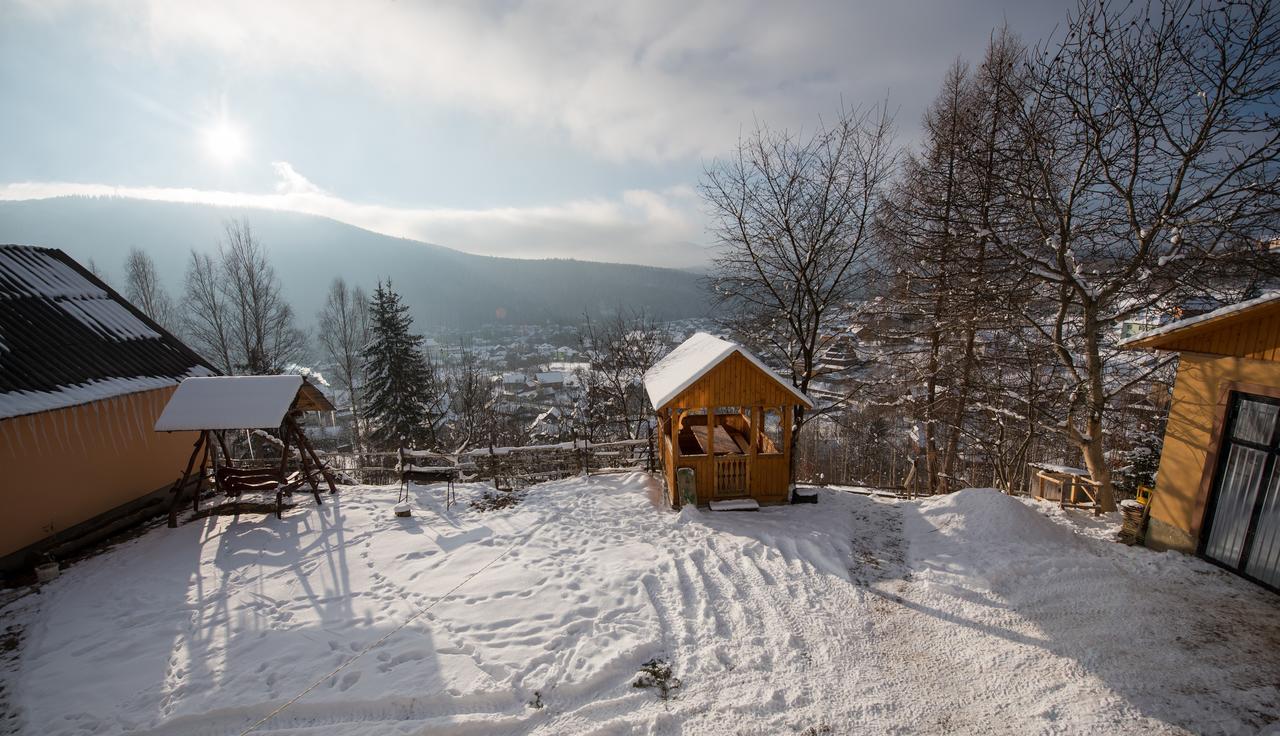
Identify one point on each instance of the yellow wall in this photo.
(1199, 397)
(60, 468)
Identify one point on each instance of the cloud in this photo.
(656, 80)
(291, 182)
(661, 228)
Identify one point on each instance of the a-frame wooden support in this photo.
(201, 443)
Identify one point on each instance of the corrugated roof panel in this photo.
(67, 338)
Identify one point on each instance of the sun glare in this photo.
(224, 143)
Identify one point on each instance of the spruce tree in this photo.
(400, 386)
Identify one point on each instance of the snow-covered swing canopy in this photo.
(215, 404)
(727, 416)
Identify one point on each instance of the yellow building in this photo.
(1217, 491)
(83, 376)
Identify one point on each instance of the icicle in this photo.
(110, 421)
(131, 418)
(17, 435)
(35, 438)
(64, 439)
(75, 418)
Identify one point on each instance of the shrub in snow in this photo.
(497, 501)
(1140, 462)
(656, 673)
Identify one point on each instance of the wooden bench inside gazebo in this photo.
(725, 415)
(215, 405)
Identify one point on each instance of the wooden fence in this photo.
(516, 467)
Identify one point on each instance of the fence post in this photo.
(649, 460)
(493, 466)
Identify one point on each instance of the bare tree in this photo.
(620, 349)
(1145, 172)
(207, 317)
(472, 398)
(263, 326)
(236, 309)
(143, 288)
(343, 335)
(923, 253)
(793, 217)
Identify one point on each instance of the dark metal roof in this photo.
(62, 329)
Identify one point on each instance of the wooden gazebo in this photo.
(725, 415)
(215, 405)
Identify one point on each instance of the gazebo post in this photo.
(217, 482)
(284, 450)
(711, 450)
(302, 461)
(204, 461)
(177, 487)
(674, 459)
(788, 411)
(305, 444)
(222, 443)
(755, 447)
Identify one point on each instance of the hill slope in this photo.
(443, 286)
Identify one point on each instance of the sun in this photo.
(224, 142)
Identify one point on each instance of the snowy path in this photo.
(974, 613)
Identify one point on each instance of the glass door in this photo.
(1244, 508)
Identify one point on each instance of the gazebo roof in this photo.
(238, 402)
(695, 358)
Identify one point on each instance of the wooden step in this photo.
(735, 504)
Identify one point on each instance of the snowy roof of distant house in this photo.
(513, 378)
(66, 338)
(693, 359)
(550, 377)
(1162, 335)
(238, 402)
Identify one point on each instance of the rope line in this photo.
(380, 640)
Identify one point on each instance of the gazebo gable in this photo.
(735, 381)
(716, 371)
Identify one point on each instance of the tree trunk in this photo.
(1090, 443)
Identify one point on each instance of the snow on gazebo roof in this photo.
(693, 359)
(238, 402)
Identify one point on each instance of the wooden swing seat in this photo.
(234, 481)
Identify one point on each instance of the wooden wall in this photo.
(1196, 414)
(736, 382)
(60, 468)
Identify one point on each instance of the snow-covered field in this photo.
(969, 613)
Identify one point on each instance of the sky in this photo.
(527, 129)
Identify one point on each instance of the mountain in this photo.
(444, 287)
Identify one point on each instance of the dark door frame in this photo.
(1225, 427)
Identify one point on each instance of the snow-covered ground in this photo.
(973, 612)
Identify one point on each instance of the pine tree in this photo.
(401, 387)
